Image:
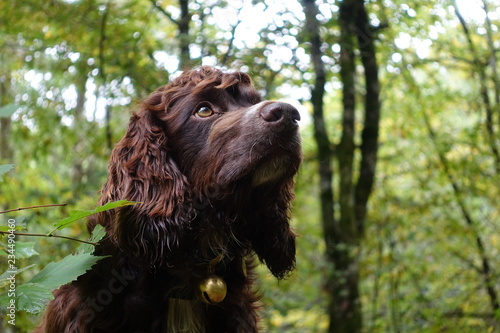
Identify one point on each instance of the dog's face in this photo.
(222, 133)
(208, 161)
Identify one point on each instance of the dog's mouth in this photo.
(270, 171)
(269, 162)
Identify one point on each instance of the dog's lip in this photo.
(275, 165)
(266, 169)
(270, 171)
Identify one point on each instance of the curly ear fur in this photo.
(141, 169)
(270, 233)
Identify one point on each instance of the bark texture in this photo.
(343, 230)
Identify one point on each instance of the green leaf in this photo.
(8, 110)
(6, 228)
(32, 297)
(80, 214)
(5, 168)
(115, 204)
(97, 234)
(8, 273)
(66, 270)
(25, 250)
(22, 250)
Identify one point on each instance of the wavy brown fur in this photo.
(209, 187)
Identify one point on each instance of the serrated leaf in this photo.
(7, 274)
(5, 168)
(97, 234)
(55, 274)
(80, 214)
(8, 110)
(29, 297)
(32, 297)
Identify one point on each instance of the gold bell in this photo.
(213, 289)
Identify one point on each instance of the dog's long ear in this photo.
(272, 238)
(141, 169)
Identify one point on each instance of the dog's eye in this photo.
(204, 111)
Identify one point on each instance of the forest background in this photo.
(397, 201)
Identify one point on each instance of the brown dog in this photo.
(212, 168)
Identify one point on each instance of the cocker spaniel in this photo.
(211, 166)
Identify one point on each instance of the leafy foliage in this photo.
(34, 295)
(80, 214)
(52, 277)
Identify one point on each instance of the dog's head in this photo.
(202, 149)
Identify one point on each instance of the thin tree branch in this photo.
(492, 60)
(466, 260)
(164, 12)
(483, 89)
(45, 235)
(32, 207)
(231, 40)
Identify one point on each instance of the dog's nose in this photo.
(277, 112)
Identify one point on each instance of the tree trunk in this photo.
(102, 75)
(183, 34)
(345, 306)
(184, 37)
(78, 123)
(325, 151)
(372, 105)
(343, 234)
